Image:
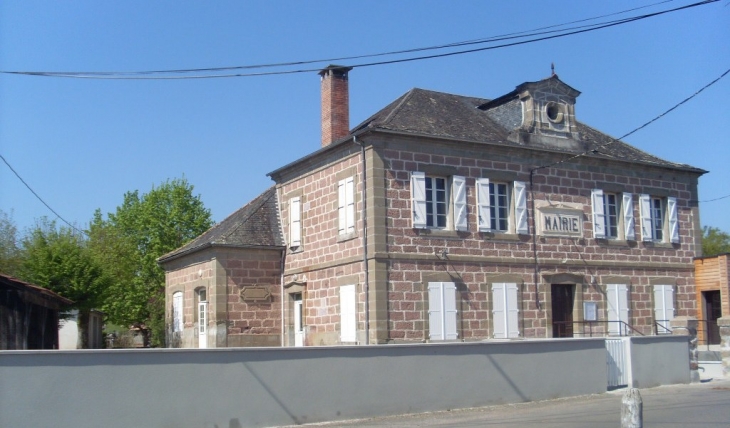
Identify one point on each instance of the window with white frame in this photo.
(433, 200)
(295, 222)
(346, 206)
(501, 206)
(348, 313)
(442, 311)
(659, 220)
(505, 311)
(177, 312)
(613, 215)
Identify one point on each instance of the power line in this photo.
(153, 75)
(39, 198)
(596, 150)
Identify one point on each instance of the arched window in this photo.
(177, 311)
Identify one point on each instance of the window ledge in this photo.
(615, 242)
(500, 236)
(346, 237)
(294, 250)
(651, 244)
(438, 233)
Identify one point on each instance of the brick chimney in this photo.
(335, 103)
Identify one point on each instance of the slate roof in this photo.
(426, 113)
(255, 225)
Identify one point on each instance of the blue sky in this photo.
(82, 143)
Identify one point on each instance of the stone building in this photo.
(446, 217)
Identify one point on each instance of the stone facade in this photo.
(232, 321)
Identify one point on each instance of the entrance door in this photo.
(202, 324)
(298, 320)
(562, 295)
(713, 311)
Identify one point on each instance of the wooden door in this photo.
(713, 311)
(562, 306)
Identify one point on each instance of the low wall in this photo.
(659, 360)
(265, 386)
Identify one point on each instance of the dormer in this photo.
(540, 113)
(548, 108)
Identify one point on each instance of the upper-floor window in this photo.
(501, 206)
(346, 206)
(438, 202)
(436, 207)
(659, 221)
(613, 215)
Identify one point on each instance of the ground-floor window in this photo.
(442, 311)
(348, 313)
(663, 307)
(617, 303)
(505, 311)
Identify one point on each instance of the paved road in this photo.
(705, 405)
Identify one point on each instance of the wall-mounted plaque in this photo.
(560, 222)
(255, 293)
(590, 311)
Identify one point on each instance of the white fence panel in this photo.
(617, 362)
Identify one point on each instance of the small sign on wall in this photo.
(560, 222)
(255, 293)
(590, 311)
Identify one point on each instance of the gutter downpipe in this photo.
(534, 240)
(283, 265)
(365, 238)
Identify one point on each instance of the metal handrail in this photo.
(624, 328)
(659, 324)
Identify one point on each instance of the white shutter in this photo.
(341, 208)
(673, 220)
(628, 211)
(663, 304)
(435, 312)
(617, 299)
(520, 208)
(645, 212)
(458, 189)
(499, 315)
(484, 215)
(599, 216)
(350, 204)
(295, 222)
(418, 199)
(449, 299)
(513, 327)
(348, 314)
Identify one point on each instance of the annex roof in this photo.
(255, 225)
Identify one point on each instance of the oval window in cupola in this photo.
(554, 112)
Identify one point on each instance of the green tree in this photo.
(714, 241)
(10, 257)
(58, 259)
(131, 239)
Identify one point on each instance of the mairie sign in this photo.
(560, 222)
